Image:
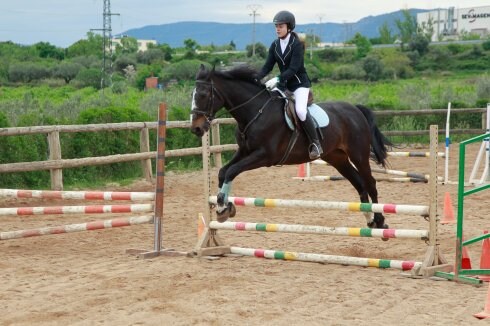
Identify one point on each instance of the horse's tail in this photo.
(379, 141)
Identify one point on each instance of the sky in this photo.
(64, 22)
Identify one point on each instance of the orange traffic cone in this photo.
(301, 171)
(485, 258)
(486, 311)
(448, 211)
(465, 260)
(200, 225)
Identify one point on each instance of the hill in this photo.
(206, 33)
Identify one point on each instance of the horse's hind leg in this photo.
(363, 181)
(340, 161)
(364, 170)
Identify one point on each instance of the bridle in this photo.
(208, 112)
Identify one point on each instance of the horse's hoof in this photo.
(372, 224)
(223, 216)
(231, 208)
(385, 226)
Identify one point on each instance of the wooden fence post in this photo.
(145, 147)
(216, 141)
(55, 154)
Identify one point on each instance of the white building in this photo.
(142, 44)
(452, 22)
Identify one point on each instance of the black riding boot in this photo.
(315, 148)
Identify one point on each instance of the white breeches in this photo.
(301, 98)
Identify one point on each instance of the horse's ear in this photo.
(202, 68)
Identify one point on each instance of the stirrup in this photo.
(315, 151)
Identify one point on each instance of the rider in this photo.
(288, 52)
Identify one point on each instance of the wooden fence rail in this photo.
(56, 164)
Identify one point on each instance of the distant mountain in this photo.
(206, 33)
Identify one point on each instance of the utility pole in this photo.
(106, 44)
(312, 40)
(320, 17)
(254, 13)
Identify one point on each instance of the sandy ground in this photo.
(86, 278)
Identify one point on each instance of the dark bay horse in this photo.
(263, 136)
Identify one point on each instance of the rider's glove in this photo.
(271, 83)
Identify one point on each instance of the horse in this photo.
(350, 139)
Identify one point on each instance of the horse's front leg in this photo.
(225, 209)
(237, 165)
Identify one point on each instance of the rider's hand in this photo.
(271, 83)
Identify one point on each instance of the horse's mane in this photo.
(242, 72)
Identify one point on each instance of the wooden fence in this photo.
(55, 163)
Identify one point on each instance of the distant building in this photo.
(450, 23)
(142, 44)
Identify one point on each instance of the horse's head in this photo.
(205, 102)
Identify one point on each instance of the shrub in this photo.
(27, 72)
(419, 43)
(486, 45)
(348, 72)
(415, 97)
(182, 70)
(88, 78)
(455, 48)
(329, 54)
(67, 71)
(483, 88)
(373, 68)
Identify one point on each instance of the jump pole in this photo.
(159, 194)
(210, 244)
(70, 228)
(77, 195)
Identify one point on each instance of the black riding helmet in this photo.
(285, 17)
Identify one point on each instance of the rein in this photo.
(210, 116)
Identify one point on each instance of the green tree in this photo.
(47, 50)
(396, 64)
(407, 27)
(373, 67)
(123, 62)
(260, 50)
(363, 45)
(419, 43)
(27, 72)
(128, 45)
(67, 71)
(151, 56)
(86, 47)
(9, 50)
(89, 78)
(190, 48)
(385, 34)
(167, 50)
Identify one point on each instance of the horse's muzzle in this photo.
(199, 129)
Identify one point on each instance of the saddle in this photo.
(319, 115)
(289, 109)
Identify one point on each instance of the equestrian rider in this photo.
(288, 52)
